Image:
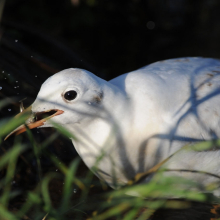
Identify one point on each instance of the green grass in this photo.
(36, 201)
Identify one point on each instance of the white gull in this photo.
(140, 118)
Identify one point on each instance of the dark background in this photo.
(106, 37)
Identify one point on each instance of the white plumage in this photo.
(140, 118)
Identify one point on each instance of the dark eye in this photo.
(70, 95)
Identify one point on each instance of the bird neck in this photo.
(107, 129)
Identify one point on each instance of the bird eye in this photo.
(70, 95)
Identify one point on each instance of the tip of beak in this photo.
(17, 131)
(25, 112)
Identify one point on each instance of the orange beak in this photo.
(36, 120)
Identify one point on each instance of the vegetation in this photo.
(83, 196)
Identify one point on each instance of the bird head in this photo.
(68, 97)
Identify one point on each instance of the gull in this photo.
(131, 123)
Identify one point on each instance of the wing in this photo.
(182, 95)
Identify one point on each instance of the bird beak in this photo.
(36, 119)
